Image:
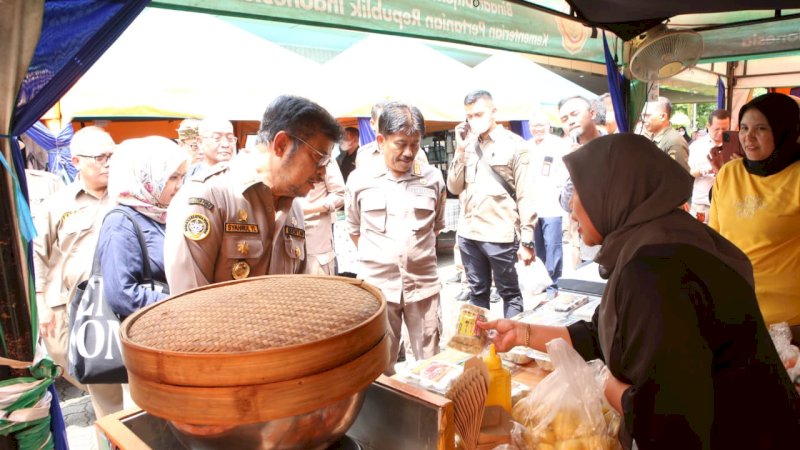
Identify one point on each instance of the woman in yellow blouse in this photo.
(756, 203)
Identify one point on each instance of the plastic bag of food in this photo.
(782, 338)
(468, 337)
(565, 410)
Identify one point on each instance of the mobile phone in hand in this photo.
(730, 145)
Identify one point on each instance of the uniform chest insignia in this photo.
(242, 215)
(417, 168)
(423, 181)
(202, 202)
(243, 247)
(235, 227)
(196, 227)
(68, 214)
(240, 270)
(292, 231)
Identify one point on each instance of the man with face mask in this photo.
(490, 167)
(393, 216)
(240, 219)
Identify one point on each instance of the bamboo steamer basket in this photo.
(255, 350)
(254, 331)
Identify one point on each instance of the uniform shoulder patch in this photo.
(196, 227)
(202, 202)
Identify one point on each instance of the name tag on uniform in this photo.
(233, 227)
(202, 202)
(425, 192)
(292, 231)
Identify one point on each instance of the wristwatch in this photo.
(527, 244)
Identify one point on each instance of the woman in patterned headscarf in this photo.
(144, 176)
(691, 362)
(756, 203)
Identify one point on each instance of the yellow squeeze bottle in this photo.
(499, 381)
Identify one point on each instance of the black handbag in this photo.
(95, 352)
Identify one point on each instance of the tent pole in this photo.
(730, 75)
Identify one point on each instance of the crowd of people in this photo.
(701, 254)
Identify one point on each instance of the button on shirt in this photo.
(397, 220)
(68, 225)
(489, 213)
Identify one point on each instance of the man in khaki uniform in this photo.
(495, 226)
(371, 153)
(658, 128)
(68, 223)
(393, 216)
(318, 206)
(241, 219)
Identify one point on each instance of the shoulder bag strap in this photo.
(146, 272)
(496, 175)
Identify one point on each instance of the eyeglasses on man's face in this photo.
(217, 138)
(324, 158)
(99, 159)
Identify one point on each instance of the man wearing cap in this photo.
(240, 219)
(68, 223)
(188, 135)
(393, 216)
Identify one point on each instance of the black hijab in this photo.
(632, 192)
(783, 115)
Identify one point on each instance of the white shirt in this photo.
(698, 160)
(548, 174)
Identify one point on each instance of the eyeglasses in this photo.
(324, 158)
(99, 159)
(217, 138)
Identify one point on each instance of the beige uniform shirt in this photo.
(319, 231)
(371, 154)
(222, 226)
(68, 224)
(671, 142)
(489, 213)
(397, 220)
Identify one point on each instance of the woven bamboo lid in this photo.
(254, 331)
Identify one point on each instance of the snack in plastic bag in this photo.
(782, 338)
(468, 337)
(565, 410)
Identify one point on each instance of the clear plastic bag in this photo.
(565, 411)
(782, 338)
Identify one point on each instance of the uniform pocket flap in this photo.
(373, 203)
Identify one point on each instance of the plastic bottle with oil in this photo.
(499, 381)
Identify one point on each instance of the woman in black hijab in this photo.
(692, 365)
(756, 203)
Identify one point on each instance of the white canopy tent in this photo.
(179, 64)
(519, 86)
